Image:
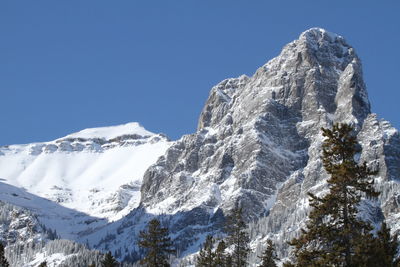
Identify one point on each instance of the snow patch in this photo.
(111, 131)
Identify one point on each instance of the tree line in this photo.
(334, 234)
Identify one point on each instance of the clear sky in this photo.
(70, 65)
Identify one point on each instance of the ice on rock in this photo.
(258, 145)
(265, 154)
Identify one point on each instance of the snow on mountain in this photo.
(258, 145)
(97, 172)
(107, 133)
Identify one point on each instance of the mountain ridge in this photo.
(257, 145)
(77, 169)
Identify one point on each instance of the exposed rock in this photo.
(258, 142)
(258, 145)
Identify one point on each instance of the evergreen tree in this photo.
(228, 261)
(157, 243)
(365, 252)
(3, 260)
(289, 264)
(333, 231)
(206, 256)
(109, 260)
(43, 264)
(385, 249)
(220, 255)
(269, 256)
(238, 237)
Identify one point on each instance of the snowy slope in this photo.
(111, 132)
(258, 145)
(95, 171)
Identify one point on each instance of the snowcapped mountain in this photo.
(257, 144)
(96, 173)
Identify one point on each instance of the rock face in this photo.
(258, 143)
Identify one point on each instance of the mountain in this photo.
(93, 175)
(258, 145)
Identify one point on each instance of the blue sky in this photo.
(70, 65)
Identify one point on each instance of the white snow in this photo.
(52, 260)
(89, 184)
(112, 131)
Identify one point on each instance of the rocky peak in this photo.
(258, 144)
(255, 132)
(316, 76)
(258, 138)
(315, 81)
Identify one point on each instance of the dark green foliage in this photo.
(269, 256)
(228, 261)
(334, 233)
(155, 240)
(288, 264)
(384, 248)
(206, 256)
(220, 255)
(3, 260)
(365, 252)
(109, 260)
(238, 237)
(43, 264)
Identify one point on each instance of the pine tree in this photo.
(378, 251)
(269, 256)
(220, 255)
(206, 256)
(333, 230)
(43, 264)
(3, 260)
(109, 260)
(238, 237)
(228, 261)
(365, 252)
(289, 264)
(385, 249)
(157, 244)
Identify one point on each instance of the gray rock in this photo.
(258, 143)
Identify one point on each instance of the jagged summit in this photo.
(318, 33)
(248, 122)
(319, 39)
(317, 73)
(258, 145)
(259, 138)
